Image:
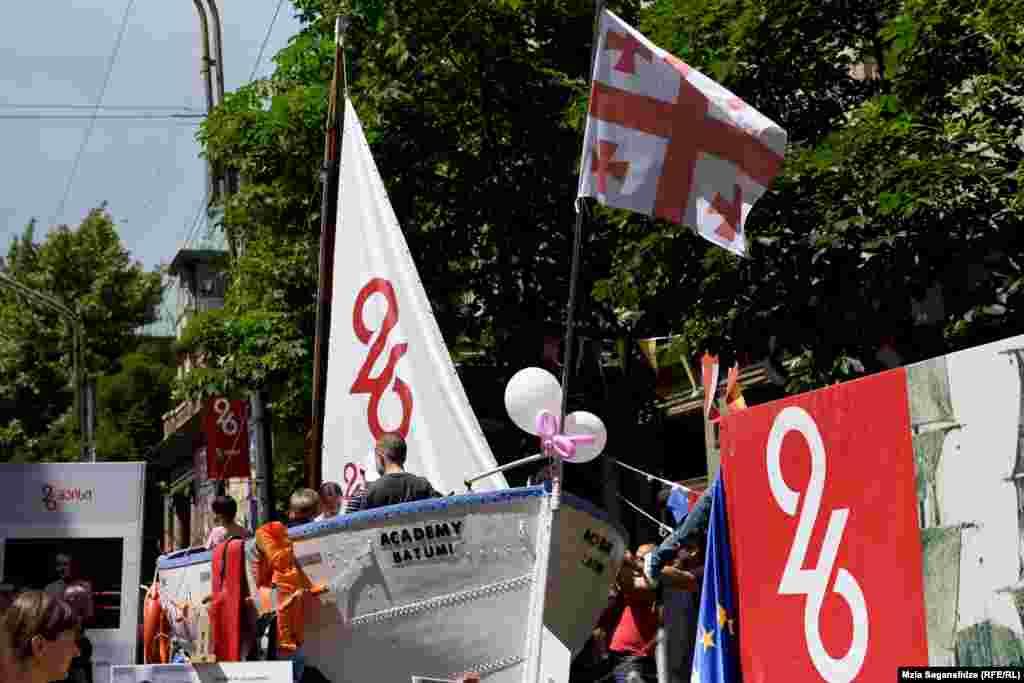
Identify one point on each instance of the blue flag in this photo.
(716, 657)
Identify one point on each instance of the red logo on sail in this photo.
(376, 386)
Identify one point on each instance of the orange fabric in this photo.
(156, 639)
(226, 604)
(278, 568)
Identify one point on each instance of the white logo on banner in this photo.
(227, 423)
(814, 582)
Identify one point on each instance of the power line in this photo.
(92, 123)
(170, 142)
(266, 39)
(190, 234)
(185, 118)
(112, 107)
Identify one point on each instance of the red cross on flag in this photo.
(665, 140)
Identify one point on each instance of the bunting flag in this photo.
(709, 377)
(664, 140)
(716, 654)
(733, 391)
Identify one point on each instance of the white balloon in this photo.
(582, 422)
(530, 391)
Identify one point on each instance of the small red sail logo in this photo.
(376, 386)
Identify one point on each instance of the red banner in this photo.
(824, 532)
(226, 424)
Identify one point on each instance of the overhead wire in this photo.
(92, 123)
(266, 39)
(192, 231)
(112, 107)
(185, 119)
(171, 141)
(664, 528)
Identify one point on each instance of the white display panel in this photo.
(91, 512)
(249, 672)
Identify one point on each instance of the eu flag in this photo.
(716, 658)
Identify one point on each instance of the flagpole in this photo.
(329, 176)
(574, 276)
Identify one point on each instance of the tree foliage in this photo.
(89, 270)
(891, 185)
(465, 107)
(474, 112)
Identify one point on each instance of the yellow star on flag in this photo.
(708, 640)
(723, 619)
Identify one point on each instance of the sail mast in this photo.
(329, 176)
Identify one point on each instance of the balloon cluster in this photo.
(533, 399)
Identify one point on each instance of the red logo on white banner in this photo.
(827, 550)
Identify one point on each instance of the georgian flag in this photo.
(665, 140)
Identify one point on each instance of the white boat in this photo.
(496, 582)
(507, 582)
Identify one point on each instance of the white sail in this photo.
(389, 368)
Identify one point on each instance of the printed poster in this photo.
(62, 523)
(908, 488)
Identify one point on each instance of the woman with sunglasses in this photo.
(43, 633)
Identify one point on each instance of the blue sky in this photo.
(56, 52)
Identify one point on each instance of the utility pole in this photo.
(85, 397)
(212, 184)
(222, 186)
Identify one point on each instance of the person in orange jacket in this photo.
(283, 587)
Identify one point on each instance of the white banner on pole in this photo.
(388, 367)
(62, 522)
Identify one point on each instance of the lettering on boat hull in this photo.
(421, 543)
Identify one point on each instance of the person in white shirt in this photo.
(330, 501)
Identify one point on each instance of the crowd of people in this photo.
(655, 594)
(395, 485)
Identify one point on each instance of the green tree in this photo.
(465, 106)
(132, 400)
(90, 271)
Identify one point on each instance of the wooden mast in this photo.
(329, 175)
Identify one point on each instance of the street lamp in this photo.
(83, 398)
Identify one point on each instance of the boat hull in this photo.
(434, 588)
